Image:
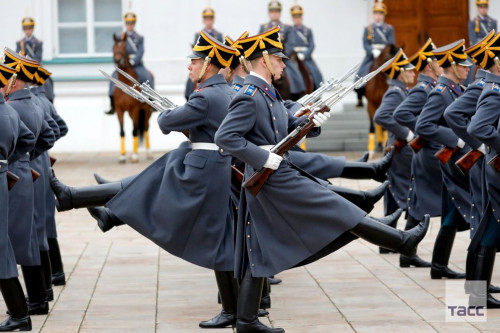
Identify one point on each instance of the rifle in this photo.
(258, 179)
(52, 160)
(444, 154)
(495, 163)
(417, 144)
(398, 145)
(34, 174)
(12, 179)
(465, 163)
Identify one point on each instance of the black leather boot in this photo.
(228, 291)
(376, 171)
(364, 158)
(47, 274)
(483, 272)
(390, 222)
(273, 280)
(79, 197)
(383, 235)
(413, 259)
(441, 255)
(265, 299)
(105, 219)
(58, 277)
(493, 289)
(35, 287)
(111, 111)
(19, 319)
(101, 180)
(365, 200)
(248, 307)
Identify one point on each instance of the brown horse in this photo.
(375, 90)
(139, 112)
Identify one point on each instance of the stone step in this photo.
(337, 145)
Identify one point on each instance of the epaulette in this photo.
(441, 87)
(237, 87)
(396, 88)
(481, 83)
(495, 87)
(423, 85)
(250, 90)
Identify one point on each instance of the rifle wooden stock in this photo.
(52, 160)
(495, 163)
(258, 179)
(398, 145)
(444, 154)
(417, 144)
(11, 180)
(466, 162)
(34, 174)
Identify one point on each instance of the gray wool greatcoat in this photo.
(15, 141)
(424, 193)
(432, 126)
(293, 219)
(182, 201)
(23, 231)
(399, 174)
(484, 126)
(458, 115)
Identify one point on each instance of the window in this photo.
(86, 27)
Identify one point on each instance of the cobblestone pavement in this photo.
(121, 282)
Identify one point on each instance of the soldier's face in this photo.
(278, 66)
(297, 20)
(409, 76)
(195, 69)
(463, 72)
(208, 22)
(378, 17)
(28, 31)
(274, 15)
(483, 10)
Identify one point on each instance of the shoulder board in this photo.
(495, 87)
(237, 87)
(250, 90)
(200, 89)
(423, 85)
(396, 88)
(440, 87)
(481, 83)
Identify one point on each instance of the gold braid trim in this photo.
(243, 63)
(370, 33)
(476, 28)
(11, 84)
(260, 43)
(204, 68)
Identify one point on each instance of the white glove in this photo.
(273, 161)
(301, 56)
(131, 59)
(376, 53)
(482, 149)
(460, 143)
(410, 136)
(320, 118)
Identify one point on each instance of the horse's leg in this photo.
(135, 133)
(381, 137)
(119, 113)
(371, 133)
(147, 115)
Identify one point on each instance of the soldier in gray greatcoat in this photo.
(432, 126)
(400, 74)
(15, 141)
(297, 85)
(26, 235)
(280, 228)
(484, 127)
(300, 42)
(424, 192)
(135, 51)
(376, 36)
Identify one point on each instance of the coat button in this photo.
(249, 250)
(271, 105)
(274, 118)
(452, 198)
(221, 150)
(253, 265)
(277, 131)
(248, 236)
(248, 222)
(472, 205)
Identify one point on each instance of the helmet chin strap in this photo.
(403, 76)
(243, 63)
(433, 68)
(497, 62)
(204, 68)
(455, 71)
(268, 63)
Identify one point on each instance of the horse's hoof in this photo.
(134, 158)
(122, 159)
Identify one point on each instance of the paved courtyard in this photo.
(121, 282)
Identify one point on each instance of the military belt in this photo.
(204, 146)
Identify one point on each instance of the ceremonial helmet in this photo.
(213, 51)
(398, 65)
(41, 75)
(130, 17)
(452, 54)
(25, 68)
(296, 10)
(487, 56)
(379, 6)
(28, 22)
(208, 12)
(274, 5)
(424, 56)
(472, 50)
(482, 2)
(5, 74)
(239, 57)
